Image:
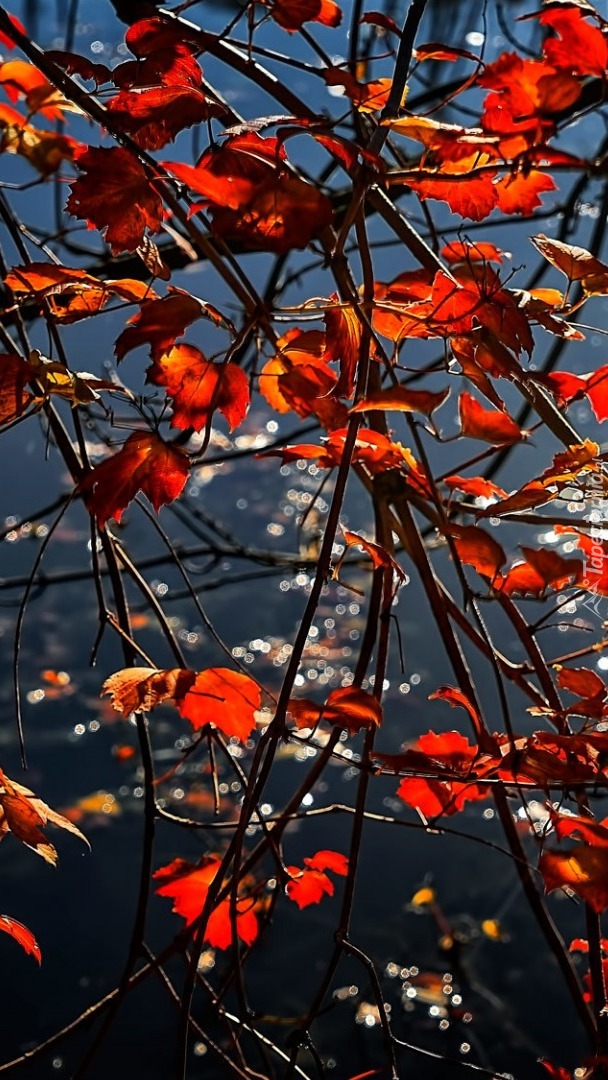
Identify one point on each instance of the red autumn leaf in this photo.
(533, 494)
(188, 884)
(15, 374)
(490, 425)
(253, 197)
(578, 47)
(224, 698)
(596, 389)
(22, 935)
(450, 752)
(468, 191)
(139, 689)
(476, 486)
(343, 344)
(304, 452)
(478, 549)
(461, 251)
(581, 681)
(159, 322)
(519, 193)
(400, 399)
(70, 293)
(144, 463)
(311, 884)
(5, 41)
(542, 569)
(75, 64)
(555, 1071)
(576, 263)
(583, 869)
(379, 555)
(24, 815)
(153, 116)
(458, 699)
(198, 387)
(297, 377)
(292, 14)
(116, 196)
(347, 707)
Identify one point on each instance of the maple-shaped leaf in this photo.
(154, 116)
(582, 869)
(15, 374)
(533, 494)
(292, 14)
(468, 191)
(198, 387)
(347, 707)
(576, 263)
(159, 322)
(116, 196)
(188, 884)
(22, 936)
(139, 689)
(24, 815)
(253, 197)
(144, 463)
(477, 548)
(541, 570)
(452, 753)
(70, 293)
(298, 378)
(519, 193)
(401, 399)
(310, 884)
(490, 425)
(224, 698)
(578, 46)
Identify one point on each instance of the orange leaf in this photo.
(490, 425)
(115, 195)
(520, 193)
(139, 689)
(224, 698)
(188, 884)
(579, 47)
(22, 935)
(400, 399)
(24, 815)
(310, 885)
(252, 196)
(477, 548)
(144, 463)
(584, 870)
(159, 322)
(379, 555)
(476, 486)
(343, 343)
(542, 569)
(155, 115)
(198, 387)
(347, 707)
